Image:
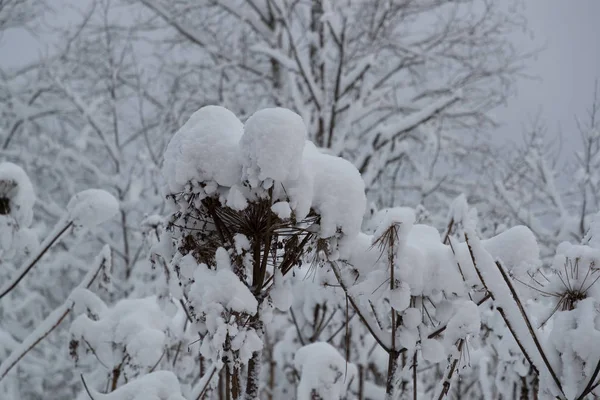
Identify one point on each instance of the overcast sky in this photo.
(567, 67)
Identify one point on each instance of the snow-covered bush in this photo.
(260, 284)
(419, 299)
(20, 299)
(246, 213)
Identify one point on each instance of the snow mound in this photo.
(465, 322)
(517, 249)
(159, 385)
(272, 146)
(92, 207)
(137, 326)
(214, 149)
(322, 371)
(204, 149)
(222, 287)
(338, 193)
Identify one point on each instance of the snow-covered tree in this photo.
(393, 86)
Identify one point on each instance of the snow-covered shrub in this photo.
(417, 299)
(251, 202)
(25, 316)
(260, 284)
(128, 339)
(567, 300)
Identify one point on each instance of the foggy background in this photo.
(563, 72)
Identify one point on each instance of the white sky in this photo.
(567, 68)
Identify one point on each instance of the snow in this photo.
(503, 298)
(241, 243)
(271, 146)
(282, 209)
(464, 323)
(322, 370)
(427, 265)
(461, 214)
(574, 335)
(360, 252)
(16, 187)
(236, 198)
(573, 331)
(270, 151)
(159, 385)
(432, 350)
(221, 287)
(281, 293)
(517, 249)
(247, 342)
(400, 297)
(204, 149)
(137, 326)
(401, 217)
(411, 318)
(338, 193)
(92, 207)
(55, 317)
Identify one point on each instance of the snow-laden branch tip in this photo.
(87, 209)
(91, 207)
(55, 318)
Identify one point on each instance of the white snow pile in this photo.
(204, 149)
(158, 385)
(220, 287)
(575, 336)
(137, 328)
(575, 268)
(338, 192)
(92, 207)
(272, 146)
(324, 372)
(464, 323)
(214, 154)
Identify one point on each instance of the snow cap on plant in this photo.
(272, 146)
(204, 151)
(16, 194)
